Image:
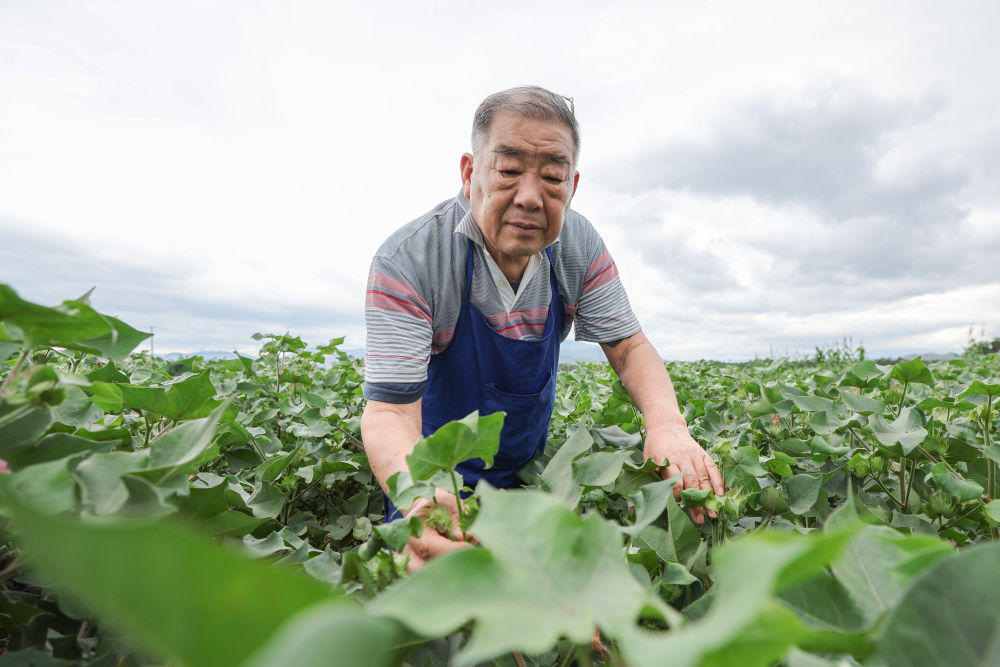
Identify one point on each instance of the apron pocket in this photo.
(526, 424)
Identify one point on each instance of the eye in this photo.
(509, 172)
(553, 179)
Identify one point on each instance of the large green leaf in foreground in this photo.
(748, 625)
(545, 573)
(950, 616)
(73, 324)
(178, 594)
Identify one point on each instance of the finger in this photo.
(714, 475)
(414, 562)
(704, 479)
(667, 473)
(433, 544)
(697, 515)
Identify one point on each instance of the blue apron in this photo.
(484, 370)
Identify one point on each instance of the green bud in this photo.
(695, 497)
(893, 396)
(438, 517)
(940, 504)
(362, 528)
(859, 466)
(878, 464)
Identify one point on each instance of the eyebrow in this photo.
(510, 150)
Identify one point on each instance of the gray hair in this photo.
(531, 102)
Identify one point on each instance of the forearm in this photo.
(646, 380)
(389, 431)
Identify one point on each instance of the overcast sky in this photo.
(768, 176)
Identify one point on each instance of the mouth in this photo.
(525, 227)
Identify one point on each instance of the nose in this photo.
(529, 192)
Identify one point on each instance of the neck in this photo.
(511, 267)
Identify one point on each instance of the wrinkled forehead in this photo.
(521, 136)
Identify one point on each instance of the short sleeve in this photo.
(399, 331)
(603, 313)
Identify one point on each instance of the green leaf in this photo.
(992, 512)
(982, 389)
(616, 437)
(912, 372)
(100, 479)
(558, 474)
(144, 500)
(396, 533)
(544, 573)
(802, 491)
(686, 538)
(747, 624)
(822, 602)
(649, 502)
(74, 325)
(950, 615)
(859, 403)
(963, 490)
(811, 403)
(599, 468)
(333, 633)
(473, 437)
(675, 573)
(33, 657)
(188, 399)
(209, 606)
(76, 410)
(185, 445)
(748, 458)
(903, 434)
(266, 501)
(47, 486)
(866, 371)
(873, 568)
(945, 404)
(22, 430)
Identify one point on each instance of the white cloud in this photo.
(242, 161)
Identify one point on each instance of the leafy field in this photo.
(215, 513)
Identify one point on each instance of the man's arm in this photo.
(641, 370)
(389, 431)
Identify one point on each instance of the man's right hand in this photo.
(431, 543)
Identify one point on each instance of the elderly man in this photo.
(467, 306)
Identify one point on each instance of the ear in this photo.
(466, 166)
(576, 181)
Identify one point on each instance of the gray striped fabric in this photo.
(415, 292)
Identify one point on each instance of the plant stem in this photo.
(350, 436)
(763, 524)
(899, 408)
(861, 440)
(14, 371)
(458, 498)
(15, 414)
(956, 520)
(902, 484)
(885, 490)
(991, 466)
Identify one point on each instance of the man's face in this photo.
(520, 183)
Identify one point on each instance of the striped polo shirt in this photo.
(418, 276)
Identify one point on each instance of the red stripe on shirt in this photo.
(385, 301)
(601, 278)
(387, 283)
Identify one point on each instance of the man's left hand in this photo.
(675, 444)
